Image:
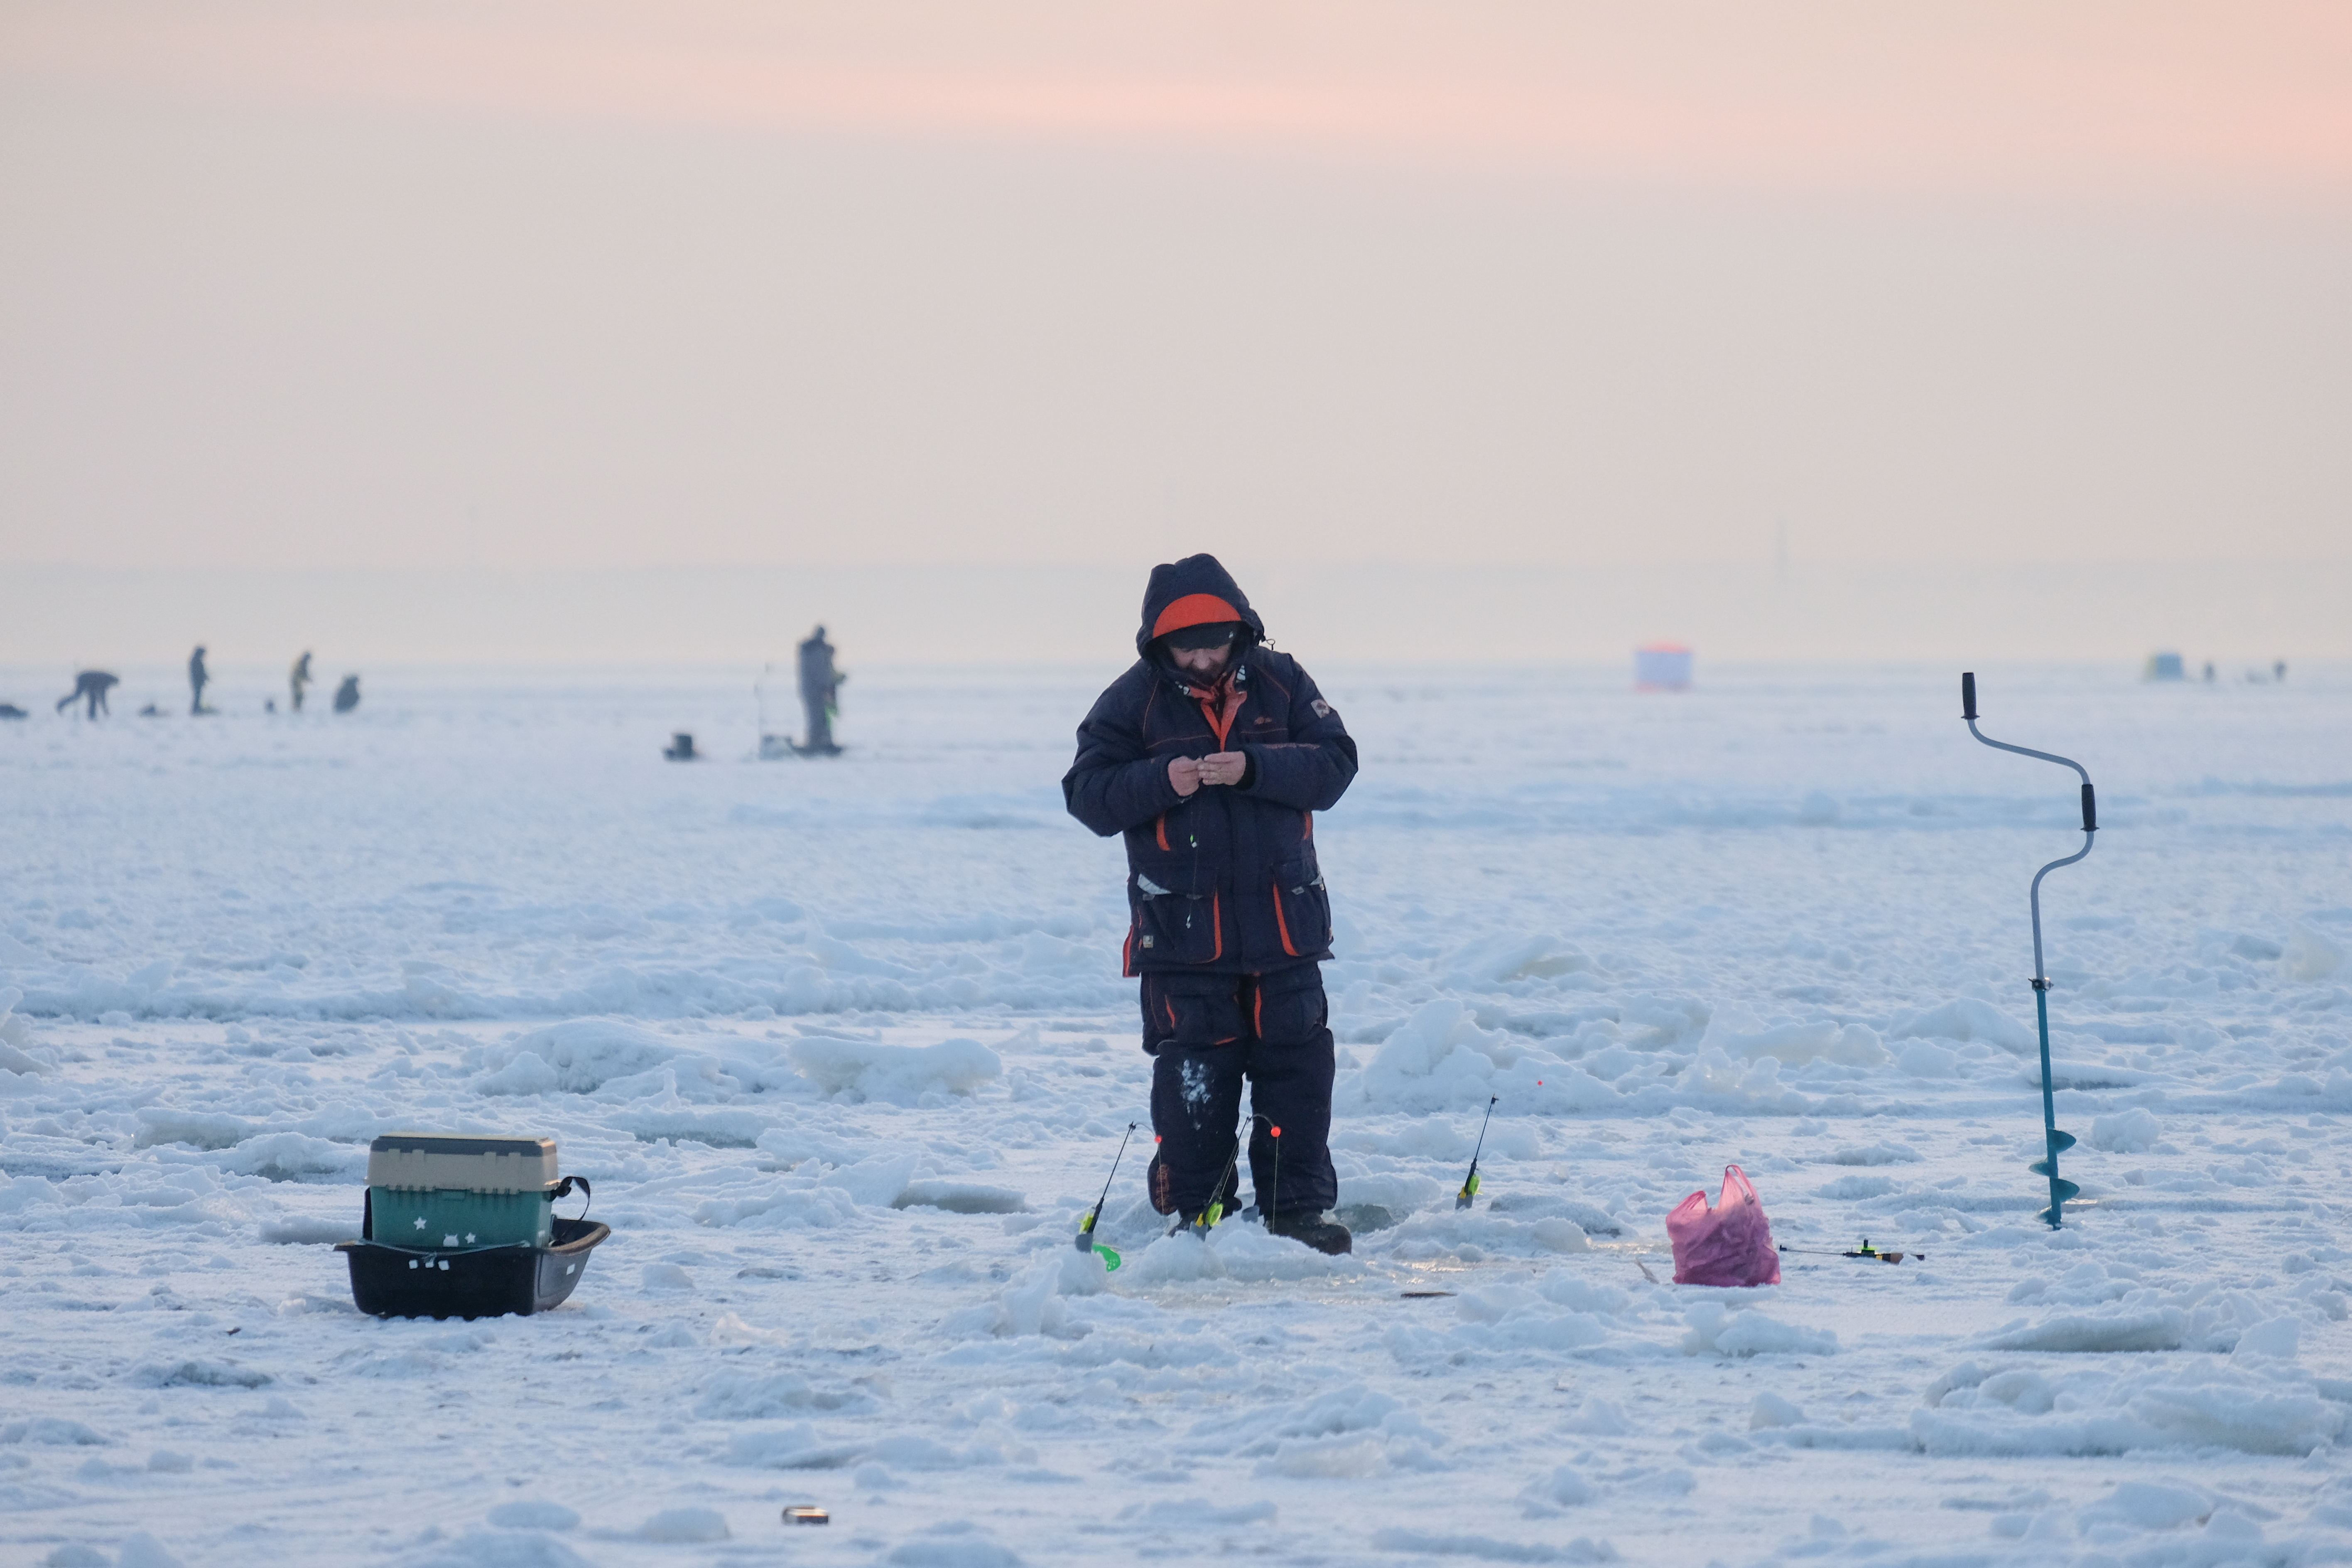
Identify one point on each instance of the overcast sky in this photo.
(527, 285)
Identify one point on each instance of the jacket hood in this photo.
(1202, 574)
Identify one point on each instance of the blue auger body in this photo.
(2054, 1142)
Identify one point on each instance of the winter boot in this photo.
(1320, 1231)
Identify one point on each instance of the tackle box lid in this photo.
(471, 1161)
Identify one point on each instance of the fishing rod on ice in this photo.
(1470, 1183)
(2053, 1140)
(1085, 1240)
(1209, 1217)
(1865, 1250)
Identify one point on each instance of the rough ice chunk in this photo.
(1965, 1018)
(686, 1525)
(1718, 1328)
(2133, 1131)
(902, 1074)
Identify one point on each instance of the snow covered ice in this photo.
(844, 1048)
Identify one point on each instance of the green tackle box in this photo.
(457, 1193)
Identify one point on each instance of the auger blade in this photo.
(2040, 1167)
(2067, 1190)
(2061, 1141)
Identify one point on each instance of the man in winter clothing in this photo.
(91, 685)
(820, 690)
(1211, 754)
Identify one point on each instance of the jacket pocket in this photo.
(1178, 928)
(1302, 908)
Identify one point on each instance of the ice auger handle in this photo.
(1969, 694)
(2090, 809)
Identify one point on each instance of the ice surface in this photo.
(845, 1051)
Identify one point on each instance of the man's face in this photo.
(1209, 662)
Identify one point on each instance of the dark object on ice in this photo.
(2278, 670)
(804, 1513)
(820, 695)
(346, 695)
(397, 1282)
(1211, 762)
(1319, 1231)
(1865, 1250)
(1470, 1183)
(521, 1277)
(90, 686)
(2054, 1142)
(300, 677)
(10, 710)
(2163, 667)
(197, 680)
(682, 748)
(151, 711)
(1423, 1295)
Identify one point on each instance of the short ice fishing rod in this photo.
(1874, 1253)
(2053, 1140)
(1208, 1218)
(1470, 1183)
(1085, 1240)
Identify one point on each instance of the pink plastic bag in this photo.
(1728, 1244)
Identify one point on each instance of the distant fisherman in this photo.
(820, 695)
(346, 695)
(91, 685)
(197, 680)
(299, 678)
(1211, 754)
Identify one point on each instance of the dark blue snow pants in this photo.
(1206, 1033)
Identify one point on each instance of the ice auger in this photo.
(2053, 1140)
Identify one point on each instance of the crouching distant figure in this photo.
(90, 686)
(346, 695)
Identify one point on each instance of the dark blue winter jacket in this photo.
(1224, 880)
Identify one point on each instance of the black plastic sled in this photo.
(398, 1282)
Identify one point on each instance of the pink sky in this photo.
(525, 284)
(2125, 97)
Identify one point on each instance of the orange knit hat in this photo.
(1193, 610)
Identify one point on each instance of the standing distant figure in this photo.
(299, 678)
(197, 680)
(2278, 670)
(91, 685)
(346, 695)
(820, 694)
